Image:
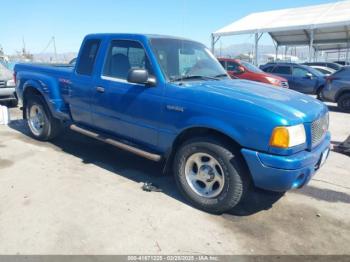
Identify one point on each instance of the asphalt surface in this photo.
(76, 195)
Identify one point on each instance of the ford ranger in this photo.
(168, 99)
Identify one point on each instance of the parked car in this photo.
(337, 89)
(244, 70)
(7, 86)
(301, 78)
(168, 99)
(333, 65)
(324, 70)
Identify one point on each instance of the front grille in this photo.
(319, 128)
(2, 84)
(284, 84)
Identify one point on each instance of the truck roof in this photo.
(134, 35)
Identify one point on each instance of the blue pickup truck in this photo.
(168, 99)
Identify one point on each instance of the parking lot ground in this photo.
(76, 195)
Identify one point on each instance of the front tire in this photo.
(344, 102)
(42, 125)
(210, 175)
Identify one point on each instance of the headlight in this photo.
(272, 80)
(10, 83)
(288, 136)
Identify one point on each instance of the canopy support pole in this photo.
(311, 35)
(256, 48)
(347, 45)
(213, 42)
(275, 43)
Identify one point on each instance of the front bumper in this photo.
(281, 173)
(7, 93)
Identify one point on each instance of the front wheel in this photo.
(42, 125)
(210, 175)
(344, 102)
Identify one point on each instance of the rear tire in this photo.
(210, 175)
(344, 102)
(42, 125)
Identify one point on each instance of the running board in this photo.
(137, 151)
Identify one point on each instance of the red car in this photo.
(244, 70)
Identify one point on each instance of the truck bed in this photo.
(51, 69)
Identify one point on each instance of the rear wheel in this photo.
(344, 102)
(210, 175)
(42, 125)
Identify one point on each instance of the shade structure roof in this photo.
(329, 23)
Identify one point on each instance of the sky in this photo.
(37, 21)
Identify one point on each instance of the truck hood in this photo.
(258, 99)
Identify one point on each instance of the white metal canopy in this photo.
(311, 25)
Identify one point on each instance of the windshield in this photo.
(251, 68)
(181, 59)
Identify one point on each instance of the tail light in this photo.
(14, 77)
(329, 79)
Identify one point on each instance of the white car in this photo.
(324, 70)
(7, 86)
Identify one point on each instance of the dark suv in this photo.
(301, 78)
(337, 88)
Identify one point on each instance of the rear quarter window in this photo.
(268, 69)
(88, 55)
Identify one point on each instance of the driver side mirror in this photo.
(309, 76)
(140, 76)
(240, 70)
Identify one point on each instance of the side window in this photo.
(299, 72)
(268, 69)
(124, 55)
(88, 57)
(284, 70)
(232, 66)
(223, 63)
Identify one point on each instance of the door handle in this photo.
(100, 89)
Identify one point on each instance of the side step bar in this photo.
(115, 143)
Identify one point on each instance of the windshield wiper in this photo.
(190, 77)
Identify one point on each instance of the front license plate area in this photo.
(323, 158)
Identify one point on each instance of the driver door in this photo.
(304, 81)
(128, 110)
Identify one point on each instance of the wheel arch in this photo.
(340, 93)
(198, 131)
